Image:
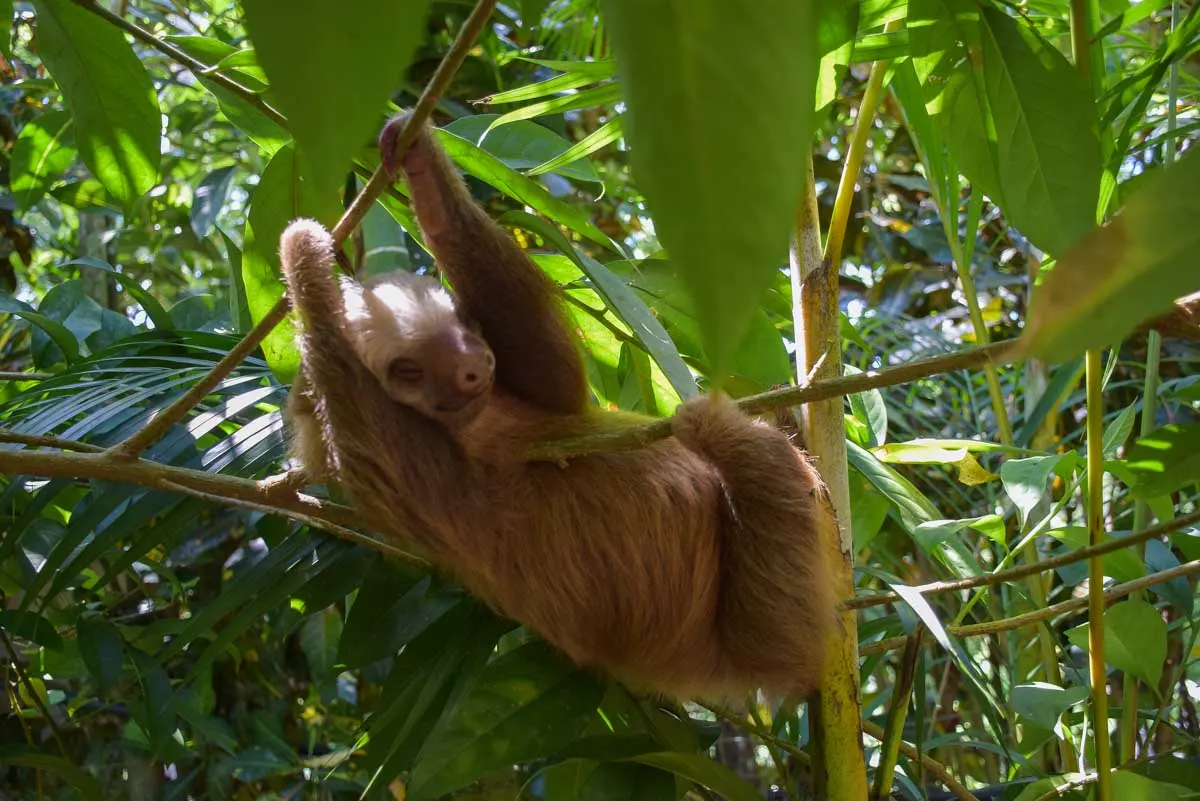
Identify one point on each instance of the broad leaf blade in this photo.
(332, 67)
(526, 704)
(1124, 273)
(42, 153)
(720, 112)
(117, 118)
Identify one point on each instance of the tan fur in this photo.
(691, 568)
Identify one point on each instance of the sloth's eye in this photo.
(407, 371)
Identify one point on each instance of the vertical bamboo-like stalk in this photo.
(897, 714)
(1090, 65)
(1141, 510)
(839, 768)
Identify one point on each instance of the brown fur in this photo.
(692, 567)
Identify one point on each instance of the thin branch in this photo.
(639, 436)
(40, 441)
(421, 112)
(198, 68)
(227, 489)
(932, 765)
(159, 426)
(992, 579)
(1041, 615)
(17, 375)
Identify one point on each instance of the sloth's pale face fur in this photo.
(407, 330)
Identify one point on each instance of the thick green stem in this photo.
(1095, 521)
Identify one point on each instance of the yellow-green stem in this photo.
(842, 202)
(839, 766)
(1141, 510)
(1095, 521)
(889, 751)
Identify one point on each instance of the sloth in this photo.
(693, 567)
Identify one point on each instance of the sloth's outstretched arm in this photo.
(517, 306)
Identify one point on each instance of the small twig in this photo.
(40, 441)
(159, 426)
(23, 677)
(198, 68)
(639, 436)
(1034, 568)
(929, 763)
(229, 489)
(1040, 615)
(17, 375)
(421, 112)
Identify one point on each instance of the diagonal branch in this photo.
(1033, 568)
(1184, 570)
(159, 426)
(639, 436)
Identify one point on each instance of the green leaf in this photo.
(31, 626)
(209, 199)
(1135, 639)
(522, 145)
(1120, 275)
(700, 769)
(280, 197)
(483, 165)
(308, 48)
(25, 756)
(603, 95)
(117, 118)
(6, 28)
(598, 139)
(912, 507)
(621, 299)
(526, 704)
(1025, 481)
(157, 702)
(871, 410)
(44, 150)
(319, 636)
(1165, 460)
(1045, 703)
(1047, 142)
(148, 302)
(928, 535)
(388, 614)
(720, 102)
(103, 651)
(56, 331)
(1132, 787)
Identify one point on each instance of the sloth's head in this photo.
(409, 333)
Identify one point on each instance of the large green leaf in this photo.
(1015, 114)
(117, 118)
(527, 704)
(1118, 276)
(280, 197)
(26, 756)
(720, 112)
(332, 67)
(1047, 138)
(42, 153)
(1165, 460)
(1135, 639)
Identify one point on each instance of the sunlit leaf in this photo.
(44, 150)
(719, 104)
(1120, 275)
(1045, 703)
(1165, 460)
(308, 48)
(117, 118)
(1135, 639)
